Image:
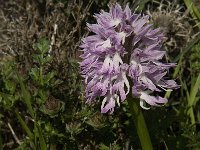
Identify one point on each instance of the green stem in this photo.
(140, 124)
(191, 113)
(41, 69)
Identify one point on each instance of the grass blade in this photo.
(194, 91)
(180, 57)
(26, 96)
(193, 11)
(24, 126)
(41, 139)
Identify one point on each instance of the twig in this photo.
(53, 38)
(14, 135)
(9, 144)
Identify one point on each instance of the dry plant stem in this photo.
(140, 124)
(14, 135)
(53, 38)
(8, 144)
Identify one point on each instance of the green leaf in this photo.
(180, 57)
(42, 46)
(55, 82)
(193, 11)
(191, 98)
(34, 74)
(26, 96)
(38, 58)
(103, 147)
(47, 59)
(24, 126)
(43, 96)
(48, 77)
(8, 100)
(141, 5)
(41, 139)
(194, 91)
(10, 86)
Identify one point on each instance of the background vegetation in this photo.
(42, 104)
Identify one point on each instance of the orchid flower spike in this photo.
(122, 56)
